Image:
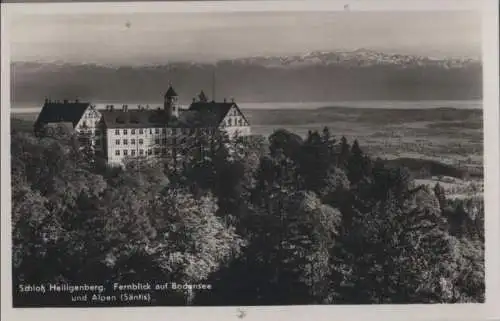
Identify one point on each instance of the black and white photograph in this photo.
(232, 158)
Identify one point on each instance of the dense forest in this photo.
(266, 221)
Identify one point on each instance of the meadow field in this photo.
(424, 140)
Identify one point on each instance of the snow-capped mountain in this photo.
(314, 76)
(357, 58)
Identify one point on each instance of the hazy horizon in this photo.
(150, 38)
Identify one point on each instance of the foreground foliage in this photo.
(288, 221)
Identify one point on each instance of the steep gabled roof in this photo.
(55, 112)
(211, 113)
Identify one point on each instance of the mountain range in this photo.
(315, 76)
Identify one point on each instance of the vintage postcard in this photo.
(250, 159)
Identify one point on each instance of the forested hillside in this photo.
(282, 220)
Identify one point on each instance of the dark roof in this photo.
(210, 113)
(135, 118)
(199, 114)
(53, 112)
(170, 92)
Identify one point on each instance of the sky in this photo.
(147, 38)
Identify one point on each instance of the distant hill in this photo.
(425, 168)
(316, 76)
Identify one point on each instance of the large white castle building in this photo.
(123, 133)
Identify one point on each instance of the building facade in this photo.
(122, 133)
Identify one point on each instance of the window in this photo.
(157, 130)
(125, 152)
(141, 141)
(157, 141)
(157, 151)
(164, 141)
(240, 121)
(149, 152)
(97, 132)
(164, 151)
(151, 131)
(229, 122)
(125, 132)
(132, 131)
(174, 131)
(125, 142)
(141, 131)
(132, 141)
(141, 151)
(132, 152)
(117, 132)
(97, 142)
(117, 142)
(163, 130)
(117, 152)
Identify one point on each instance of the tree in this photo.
(441, 195)
(358, 165)
(192, 241)
(287, 258)
(344, 154)
(392, 250)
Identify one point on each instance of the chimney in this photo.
(111, 107)
(46, 100)
(77, 101)
(65, 101)
(194, 99)
(225, 100)
(232, 100)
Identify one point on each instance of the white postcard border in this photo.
(488, 310)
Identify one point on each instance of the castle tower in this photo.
(171, 102)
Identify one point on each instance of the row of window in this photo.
(141, 152)
(151, 131)
(237, 122)
(140, 141)
(168, 131)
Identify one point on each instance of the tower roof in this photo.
(170, 92)
(202, 97)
